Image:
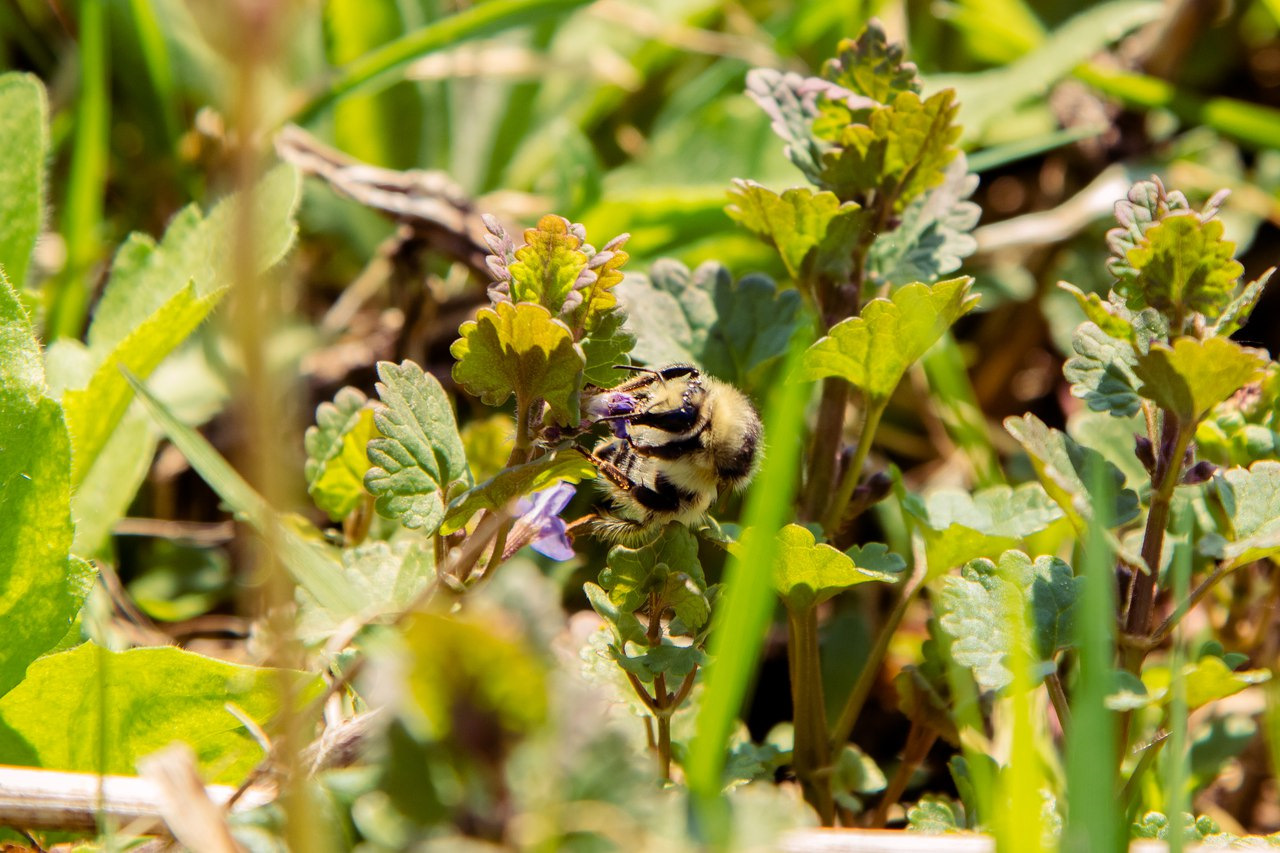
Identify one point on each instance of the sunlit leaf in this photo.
(808, 573)
(1193, 376)
(24, 137)
(667, 568)
(1183, 265)
(389, 576)
(418, 457)
(520, 349)
(872, 66)
(873, 350)
(1206, 680)
(811, 231)
(516, 481)
(337, 459)
(126, 705)
(548, 264)
(791, 104)
(932, 237)
(1101, 371)
(1251, 499)
(606, 344)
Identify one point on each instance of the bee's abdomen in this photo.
(664, 497)
(738, 465)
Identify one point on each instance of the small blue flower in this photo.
(613, 404)
(540, 525)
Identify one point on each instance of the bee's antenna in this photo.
(635, 368)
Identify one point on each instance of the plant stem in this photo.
(920, 740)
(824, 459)
(1172, 620)
(1129, 793)
(810, 756)
(853, 474)
(661, 699)
(866, 678)
(1058, 697)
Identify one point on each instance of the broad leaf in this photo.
(24, 138)
(667, 568)
(605, 345)
(936, 815)
(790, 101)
(389, 576)
(855, 773)
(514, 482)
(121, 706)
(337, 460)
(548, 264)
(667, 659)
(418, 458)
(734, 330)
(1251, 499)
(932, 238)
(1066, 469)
(984, 611)
(1207, 680)
(811, 231)
(873, 350)
(41, 586)
(1193, 376)
(872, 66)
(1101, 371)
(1146, 203)
(520, 349)
(1182, 266)
(808, 573)
(313, 564)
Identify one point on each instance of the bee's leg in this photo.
(609, 471)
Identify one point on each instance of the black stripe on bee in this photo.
(672, 420)
(665, 496)
(673, 449)
(740, 463)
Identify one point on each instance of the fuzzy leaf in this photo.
(604, 274)
(625, 626)
(1251, 499)
(419, 458)
(513, 482)
(873, 350)
(605, 345)
(24, 138)
(337, 459)
(1065, 469)
(548, 264)
(933, 236)
(902, 150)
(733, 330)
(41, 586)
(1101, 371)
(1147, 203)
(1193, 376)
(790, 101)
(1237, 312)
(663, 568)
(811, 231)
(872, 66)
(980, 608)
(520, 349)
(808, 573)
(1183, 265)
(126, 705)
(959, 527)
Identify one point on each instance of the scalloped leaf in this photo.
(1146, 203)
(668, 567)
(1207, 680)
(130, 704)
(514, 482)
(41, 586)
(520, 349)
(873, 66)
(548, 264)
(790, 101)
(932, 237)
(808, 572)
(1101, 371)
(980, 609)
(1251, 499)
(607, 344)
(1237, 312)
(604, 273)
(902, 151)
(389, 575)
(811, 231)
(337, 459)
(1182, 266)
(419, 458)
(1193, 376)
(24, 138)
(1065, 469)
(873, 350)
(734, 330)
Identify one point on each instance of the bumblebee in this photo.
(679, 437)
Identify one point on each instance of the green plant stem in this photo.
(1058, 696)
(853, 474)
(378, 66)
(824, 458)
(1129, 794)
(920, 740)
(811, 755)
(661, 699)
(867, 677)
(1168, 469)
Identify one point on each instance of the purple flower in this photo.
(539, 524)
(610, 405)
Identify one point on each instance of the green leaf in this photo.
(663, 568)
(41, 585)
(195, 250)
(855, 773)
(514, 482)
(1146, 203)
(1237, 312)
(1183, 265)
(1207, 680)
(734, 330)
(935, 815)
(872, 66)
(548, 264)
(932, 237)
(810, 230)
(122, 706)
(808, 573)
(24, 138)
(520, 349)
(107, 491)
(873, 350)
(666, 659)
(982, 608)
(902, 151)
(606, 344)
(388, 575)
(1101, 371)
(313, 564)
(1193, 376)
(788, 101)
(959, 526)
(596, 285)
(419, 457)
(337, 460)
(94, 411)
(1065, 468)
(1251, 499)
(624, 624)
